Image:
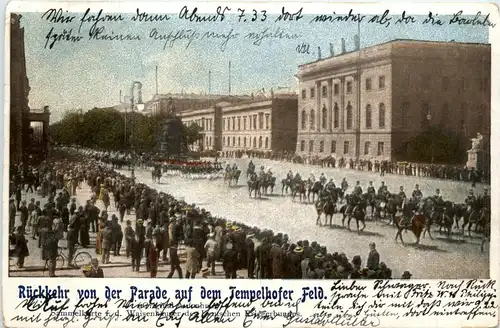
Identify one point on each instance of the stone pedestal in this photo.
(475, 159)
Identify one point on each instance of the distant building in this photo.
(371, 102)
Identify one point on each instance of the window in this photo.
(381, 116)
(346, 147)
(324, 117)
(324, 91)
(349, 87)
(312, 90)
(255, 122)
(446, 83)
(336, 89)
(261, 121)
(234, 123)
(254, 142)
(312, 118)
(405, 107)
(381, 82)
(303, 93)
(302, 145)
(267, 121)
(445, 112)
(239, 141)
(348, 120)
(239, 123)
(244, 141)
(311, 145)
(380, 149)
(303, 120)
(368, 116)
(368, 84)
(321, 146)
(367, 148)
(266, 143)
(244, 122)
(336, 113)
(260, 142)
(333, 147)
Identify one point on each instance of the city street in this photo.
(457, 258)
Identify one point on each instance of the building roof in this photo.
(441, 43)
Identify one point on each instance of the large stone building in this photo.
(369, 103)
(209, 119)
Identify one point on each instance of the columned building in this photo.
(369, 103)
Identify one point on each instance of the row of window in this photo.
(348, 89)
(256, 122)
(205, 123)
(348, 117)
(333, 147)
(247, 141)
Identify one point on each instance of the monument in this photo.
(476, 155)
(169, 140)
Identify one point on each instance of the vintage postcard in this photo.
(333, 163)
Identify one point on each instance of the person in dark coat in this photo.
(21, 247)
(136, 251)
(276, 256)
(50, 251)
(72, 237)
(117, 235)
(107, 240)
(147, 242)
(129, 236)
(250, 247)
(153, 256)
(175, 262)
(95, 271)
(373, 258)
(24, 214)
(229, 261)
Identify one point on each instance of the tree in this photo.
(192, 133)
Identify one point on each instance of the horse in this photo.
(472, 216)
(285, 184)
(299, 187)
(328, 208)
(268, 181)
(445, 220)
(358, 212)
(313, 188)
(156, 174)
(232, 177)
(486, 235)
(254, 185)
(250, 171)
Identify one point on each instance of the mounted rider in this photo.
(402, 193)
(289, 175)
(485, 200)
(235, 167)
(371, 189)
(251, 166)
(358, 191)
(262, 172)
(417, 193)
(297, 177)
(228, 168)
(382, 190)
(322, 179)
(330, 185)
(344, 185)
(471, 200)
(312, 177)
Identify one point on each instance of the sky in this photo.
(87, 74)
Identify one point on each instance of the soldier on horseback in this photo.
(330, 185)
(470, 200)
(357, 189)
(344, 185)
(382, 189)
(297, 178)
(235, 167)
(262, 172)
(402, 193)
(371, 189)
(228, 168)
(289, 175)
(417, 193)
(322, 179)
(312, 178)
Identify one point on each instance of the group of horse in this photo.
(303, 188)
(414, 214)
(260, 184)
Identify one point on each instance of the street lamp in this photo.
(139, 104)
(429, 117)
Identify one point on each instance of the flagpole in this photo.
(229, 77)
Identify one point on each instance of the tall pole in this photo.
(209, 83)
(120, 97)
(229, 77)
(156, 80)
(358, 127)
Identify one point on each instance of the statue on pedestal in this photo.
(477, 143)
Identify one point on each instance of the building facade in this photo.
(368, 103)
(261, 124)
(207, 119)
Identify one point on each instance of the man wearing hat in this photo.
(229, 260)
(12, 215)
(95, 271)
(250, 249)
(117, 235)
(470, 200)
(417, 193)
(210, 250)
(107, 240)
(129, 235)
(373, 258)
(406, 275)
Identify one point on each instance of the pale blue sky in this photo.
(89, 74)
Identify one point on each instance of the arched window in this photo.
(266, 143)
(254, 142)
(368, 116)
(302, 145)
(260, 142)
(381, 115)
(336, 116)
(324, 117)
(312, 118)
(304, 120)
(234, 141)
(348, 120)
(244, 141)
(239, 141)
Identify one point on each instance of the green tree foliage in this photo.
(104, 128)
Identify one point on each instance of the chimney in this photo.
(332, 52)
(319, 53)
(343, 46)
(356, 42)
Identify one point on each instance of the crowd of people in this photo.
(438, 171)
(163, 226)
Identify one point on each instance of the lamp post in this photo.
(429, 117)
(133, 104)
(80, 125)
